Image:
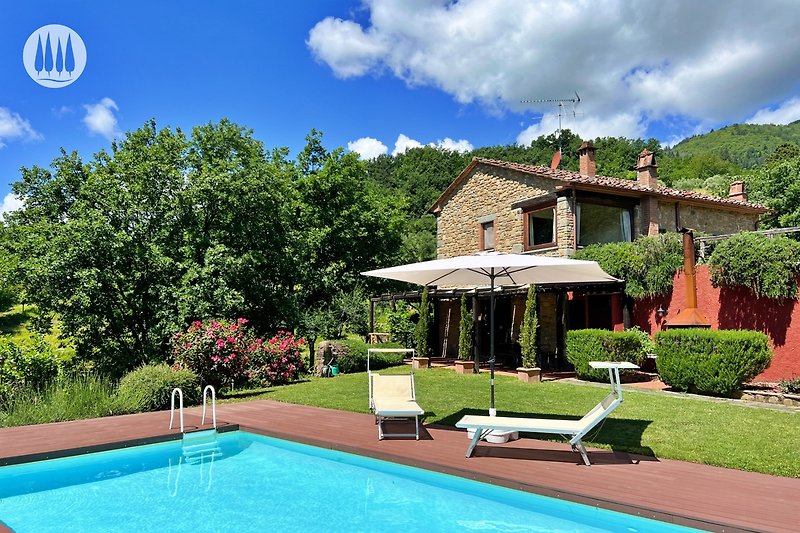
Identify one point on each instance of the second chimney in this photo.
(587, 164)
(647, 169)
(737, 191)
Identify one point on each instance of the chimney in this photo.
(588, 167)
(647, 169)
(690, 316)
(737, 191)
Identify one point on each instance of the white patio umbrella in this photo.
(497, 269)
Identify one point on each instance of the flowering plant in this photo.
(217, 351)
(277, 361)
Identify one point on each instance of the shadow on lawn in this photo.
(622, 435)
(11, 322)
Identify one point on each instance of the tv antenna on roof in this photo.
(560, 103)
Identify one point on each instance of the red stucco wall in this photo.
(727, 308)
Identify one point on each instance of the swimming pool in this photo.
(240, 481)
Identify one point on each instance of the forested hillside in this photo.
(745, 145)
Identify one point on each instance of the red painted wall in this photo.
(727, 308)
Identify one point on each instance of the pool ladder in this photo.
(208, 391)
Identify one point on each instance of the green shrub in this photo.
(711, 361)
(149, 388)
(765, 265)
(401, 323)
(351, 355)
(584, 345)
(216, 350)
(68, 398)
(23, 365)
(648, 264)
(790, 386)
(527, 333)
(422, 333)
(465, 327)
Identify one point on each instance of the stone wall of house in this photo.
(705, 219)
(565, 226)
(482, 195)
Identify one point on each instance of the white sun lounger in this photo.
(393, 397)
(575, 430)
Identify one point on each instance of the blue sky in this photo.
(379, 76)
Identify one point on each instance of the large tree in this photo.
(159, 231)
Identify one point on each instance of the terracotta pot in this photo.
(529, 375)
(465, 367)
(420, 362)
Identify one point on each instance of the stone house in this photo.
(520, 208)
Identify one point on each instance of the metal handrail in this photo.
(172, 407)
(213, 405)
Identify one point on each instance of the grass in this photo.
(65, 399)
(16, 321)
(665, 426)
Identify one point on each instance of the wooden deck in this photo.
(700, 496)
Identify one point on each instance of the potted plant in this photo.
(465, 364)
(529, 371)
(422, 334)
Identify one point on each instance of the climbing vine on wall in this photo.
(648, 264)
(768, 266)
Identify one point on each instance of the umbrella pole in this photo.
(492, 410)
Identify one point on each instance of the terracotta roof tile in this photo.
(617, 183)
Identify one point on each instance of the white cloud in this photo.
(787, 112)
(11, 202)
(100, 118)
(62, 111)
(345, 46)
(367, 147)
(13, 126)
(404, 143)
(461, 145)
(631, 64)
(587, 127)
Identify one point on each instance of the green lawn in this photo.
(16, 323)
(665, 426)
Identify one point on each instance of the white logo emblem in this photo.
(54, 56)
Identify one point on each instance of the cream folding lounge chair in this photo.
(575, 430)
(393, 397)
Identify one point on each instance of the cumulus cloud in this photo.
(787, 112)
(100, 118)
(461, 145)
(404, 143)
(631, 64)
(11, 202)
(623, 124)
(367, 147)
(370, 148)
(13, 126)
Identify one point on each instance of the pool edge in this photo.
(105, 446)
(541, 490)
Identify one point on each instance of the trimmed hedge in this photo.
(708, 361)
(351, 355)
(149, 388)
(584, 345)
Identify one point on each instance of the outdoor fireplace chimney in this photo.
(737, 191)
(586, 161)
(647, 169)
(690, 316)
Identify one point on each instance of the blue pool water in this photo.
(256, 483)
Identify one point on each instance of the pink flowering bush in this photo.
(217, 351)
(277, 361)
